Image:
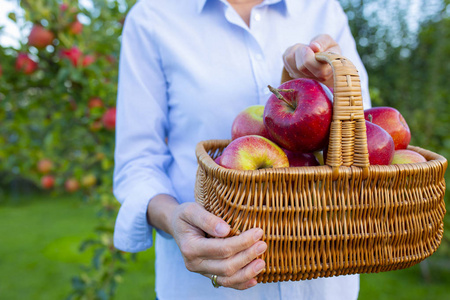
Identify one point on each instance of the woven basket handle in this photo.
(348, 141)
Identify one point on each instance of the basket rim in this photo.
(433, 160)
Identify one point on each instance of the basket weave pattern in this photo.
(342, 218)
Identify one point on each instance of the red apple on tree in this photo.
(253, 152)
(109, 118)
(405, 156)
(45, 165)
(298, 115)
(95, 102)
(25, 64)
(299, 159)
(249, 122)
(71, 185)
(88, 60)
(75, 27)
(40, 37)
(391, 120)
(47, 182)
(73, 54)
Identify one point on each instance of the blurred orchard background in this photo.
(58, 85)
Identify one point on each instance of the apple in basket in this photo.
(249, 122)
(380, 145)
(298, 115)
(405, 156)
(299, 159)
(253, 152)
(391, 120)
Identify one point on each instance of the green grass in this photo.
(40, 237)
(39, 242)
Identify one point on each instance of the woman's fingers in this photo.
(244, 278)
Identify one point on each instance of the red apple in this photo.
(217, 160)
(405, 156)
(299, 159)
(253, 152)
(40, 37)
(75, 27)
(71, 185)
(73, 54)
(47, 182)
(25, 64)
(45, 165)
(298, 115)
(88, 60)
(249, 122)
(391, 120)
(95, 102)
(88, 180)
(109, 118)
(380, 145)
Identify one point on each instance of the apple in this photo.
(95, 102)
(249, 122)
(391, 120)
(75, 27)
(71, 185)
(299, 159)
(405, 156)
(73, 54)
(88, 60)
(298, 115)
(217, 160)
(379, 144)
(25, 64)
(47, 182)
(88, 180)
(109, 118)
(253, 152)
(40, 37)
(45, 165)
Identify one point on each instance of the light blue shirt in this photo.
(187, 68)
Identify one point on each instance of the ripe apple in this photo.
(380, 145)
(95, 102)
(109, 118)
(73, 54)
(88, 60)
(47, 182)
(75, 27)
(298, 115)
(45, 165)
(88, 180)
(249, 122)
(25, 64)
(405, 156)
(40, 37)
(299, 159)
(253, 152)
(71, 185)
(391, 120)
(217, 160)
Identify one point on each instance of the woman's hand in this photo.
(300, 61)
(232, 259)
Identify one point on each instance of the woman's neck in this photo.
(244, 8)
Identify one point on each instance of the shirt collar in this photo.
(288, 7)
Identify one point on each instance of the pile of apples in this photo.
(293, 128)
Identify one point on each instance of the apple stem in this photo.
(276, 92)
(370, 118)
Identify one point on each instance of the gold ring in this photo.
(214, 281)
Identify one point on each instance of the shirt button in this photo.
(257, 17)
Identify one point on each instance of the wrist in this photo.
(159, 212)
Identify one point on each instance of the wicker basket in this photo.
(342, 218)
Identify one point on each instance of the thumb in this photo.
(199, 217)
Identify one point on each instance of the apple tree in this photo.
(57, 110)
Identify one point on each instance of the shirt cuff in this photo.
(132, 232)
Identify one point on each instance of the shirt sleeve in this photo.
(348, 47)
(141, 154)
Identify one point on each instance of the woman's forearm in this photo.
(159, 212)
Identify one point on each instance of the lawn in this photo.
(39, 254)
